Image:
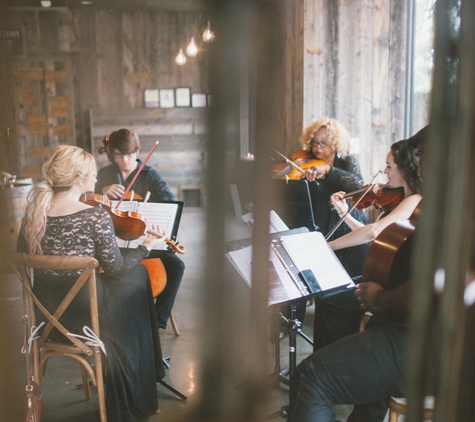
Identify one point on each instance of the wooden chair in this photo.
(397, 407)
(73, 347)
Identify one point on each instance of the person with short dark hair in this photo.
(113, 179)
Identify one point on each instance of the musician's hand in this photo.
(339, 203)
(155, 237)
(367, 294)
(113, 191)
(316, 172)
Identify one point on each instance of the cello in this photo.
(389, 257)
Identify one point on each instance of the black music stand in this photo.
(292, 202)
(294, 276)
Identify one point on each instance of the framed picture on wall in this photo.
(167, 98)
(151, 98)
(198, 100)
(183, 97)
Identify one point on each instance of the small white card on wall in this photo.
(151, 98)
(198, 100)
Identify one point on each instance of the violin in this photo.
(296, 172)
(382, 196)
(128, 225)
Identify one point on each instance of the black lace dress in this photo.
(126, 312)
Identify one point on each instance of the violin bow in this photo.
(290, 162)
(137, 174)
(338, 224)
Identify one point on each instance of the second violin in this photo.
(382, 196)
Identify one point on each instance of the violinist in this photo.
(401, 171)
(328, 140)
(112, 180)
(367, 367)
(56, 222)
(339, 315)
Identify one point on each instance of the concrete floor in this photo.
(64, 402)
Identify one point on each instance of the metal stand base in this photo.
(166, 362)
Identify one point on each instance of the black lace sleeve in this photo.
(112, 261)
(345, 175)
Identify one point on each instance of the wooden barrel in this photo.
(12, 209)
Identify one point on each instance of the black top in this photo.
(344, 175)
(149, 180)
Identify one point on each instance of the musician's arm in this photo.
(374, 298)
(368, 233)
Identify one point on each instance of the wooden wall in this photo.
(74, 62)
(343, 59)
(354, 71)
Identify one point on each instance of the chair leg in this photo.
(85, 383)
(173, 322)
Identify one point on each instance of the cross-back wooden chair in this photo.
(73, 347)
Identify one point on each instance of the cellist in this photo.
(122, 148)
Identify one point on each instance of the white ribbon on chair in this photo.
(91, 338)
(32, 337)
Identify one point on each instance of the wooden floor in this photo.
(64, 401)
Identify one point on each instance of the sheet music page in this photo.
(276, 223)
(241, 259)
(163, 214)
(311, 251)
(281, 286)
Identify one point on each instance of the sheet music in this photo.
(281, 286)
(311, 251)
(163, 214)
(276, 223)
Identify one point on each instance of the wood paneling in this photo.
(182, 132)
(354, 71)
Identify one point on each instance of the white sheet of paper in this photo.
(242, 259)
(163, 214)
(311, 251)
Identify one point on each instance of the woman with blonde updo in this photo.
(57, 223)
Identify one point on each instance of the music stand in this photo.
(294, 276)
(293, 203)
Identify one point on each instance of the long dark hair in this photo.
(408, 164)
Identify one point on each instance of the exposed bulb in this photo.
(180, 58)
(45, 3)
(192, 49)
(208, 35)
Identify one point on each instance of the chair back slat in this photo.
(59, 263)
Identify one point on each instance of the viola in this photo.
(382, 196)
(128, 225)
(296, 171)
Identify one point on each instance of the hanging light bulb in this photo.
(180, 58)
(192, 49)
(208, 35)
